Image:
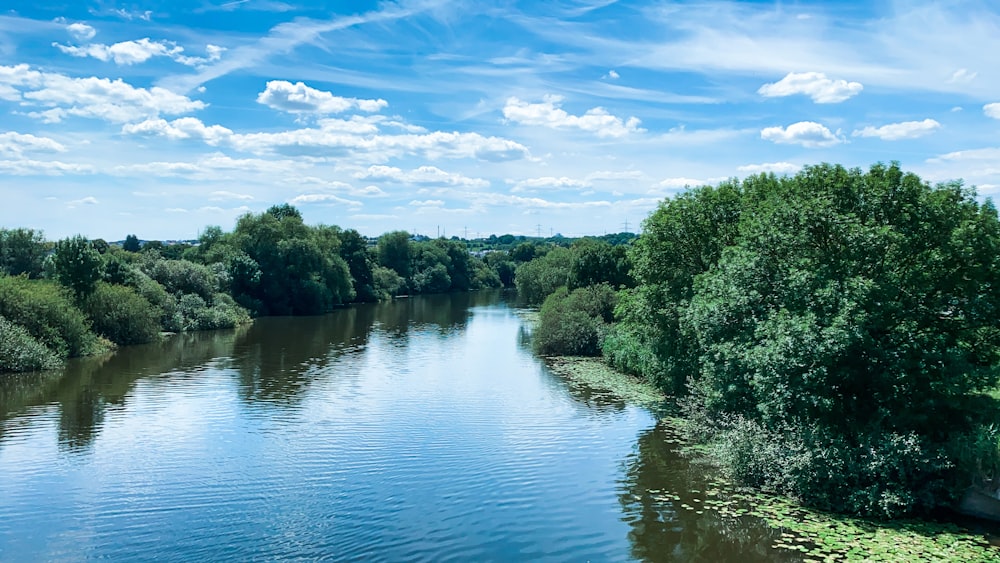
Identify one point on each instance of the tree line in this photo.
(832, 335)
(77, 296)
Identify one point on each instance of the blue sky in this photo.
(162, 117)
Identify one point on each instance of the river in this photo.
(421, 429)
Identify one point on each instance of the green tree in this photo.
(298, 268)
(354, 251)
(131, 244)
(838, 329)
(539, 278)
(22, 251)
(77, 266)
(395, 252)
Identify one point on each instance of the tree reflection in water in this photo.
(658, 482)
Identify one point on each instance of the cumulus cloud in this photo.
(124, 53)
(612, 75)
(100, 98)
(14, 144)
(431, 175)
(215, 165)
(181, 128)
(139, 51)
(222, 195)
(550, 182)
(775, 167)
(809, 134)
(548, 113)
(898, 131)
(299, 98)
(81, 31)
(30, 167)
(437, 144)
(427, 203)
(677, 183)
(992, 110)
(816, 85)
(329, 199)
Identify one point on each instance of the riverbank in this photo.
(811, 534)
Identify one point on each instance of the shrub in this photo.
(879, 474)
(571, 323)
(182, 276)
(121, 315)
(19, 351)
(46, 311)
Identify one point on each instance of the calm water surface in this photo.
(422, 429)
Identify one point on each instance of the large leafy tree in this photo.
(77, 266)
(395, 252)
(22, 251)
(837, 329)
(286, 267)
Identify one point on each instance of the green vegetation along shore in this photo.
(79, 297)
(831, 336)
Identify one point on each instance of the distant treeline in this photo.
(833, 335)
(78, 297)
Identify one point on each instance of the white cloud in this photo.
(775, 167)
(433, 145)
(427, 203)
(898, 131)
(551, 182)
(305, 199)
(14, 144)
(612, 75)
(423, 175)
(962, 76)
(989, 154)
(124, 53)
(299, 98)
(181, 128)
(992, 110)
(212, 54)
(809, 134)
(816, 85)
(213, 166)
(549, 114)
(610, 175)
(101, 98)
(139, 51)
(89, 200)
(677, 183)
(29, 167)
(81, 31)
(221, 195)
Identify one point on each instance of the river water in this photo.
(422, 429)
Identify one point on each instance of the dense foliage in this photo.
(77, 296)
(836, 331)
(572, 323)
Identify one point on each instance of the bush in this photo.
(571, 323)
(121, 315)
(19, 351)
(47, 312)
(182, 276)
(879, 474)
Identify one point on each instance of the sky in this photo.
(161, 117)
